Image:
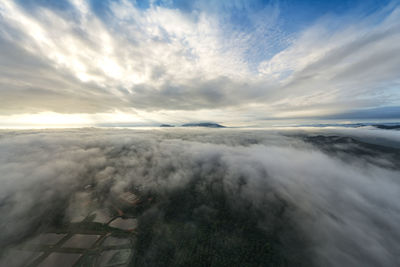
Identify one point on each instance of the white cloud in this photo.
(342, 205)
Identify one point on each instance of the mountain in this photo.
(387, 126)
(204, 124)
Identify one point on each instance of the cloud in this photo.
(163, 58)
(324, 205)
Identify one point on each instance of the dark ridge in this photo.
(204, 124)
(166, 125)
(387, 126)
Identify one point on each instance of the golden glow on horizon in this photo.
(58, 120)
(45, 120)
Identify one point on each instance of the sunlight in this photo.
(46, 120)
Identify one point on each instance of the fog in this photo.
(318, 197)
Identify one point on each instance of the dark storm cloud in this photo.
(325, 205)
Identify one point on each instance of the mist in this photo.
(218, 197)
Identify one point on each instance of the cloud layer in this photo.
(165, 59)
(327, 197)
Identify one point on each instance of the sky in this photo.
(126, 62)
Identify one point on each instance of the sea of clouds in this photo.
(335, 204)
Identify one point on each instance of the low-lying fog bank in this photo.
(221, 197)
